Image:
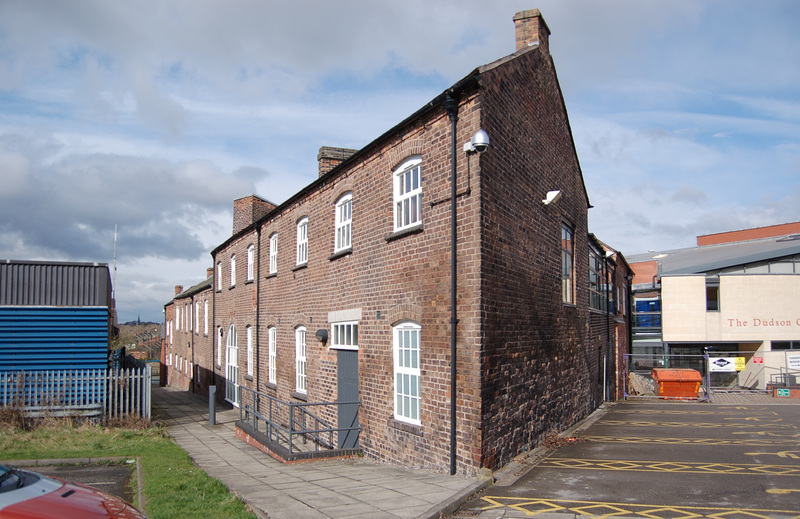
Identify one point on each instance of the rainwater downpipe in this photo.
(451, 106)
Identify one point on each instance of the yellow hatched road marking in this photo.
(600, 509)
(754, 442)
(670, 466)
(725, 412)
(698, 425)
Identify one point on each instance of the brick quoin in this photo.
(527, 365)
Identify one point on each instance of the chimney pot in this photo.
(531, 30)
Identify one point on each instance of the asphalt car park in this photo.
(662, 460)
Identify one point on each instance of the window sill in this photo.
(300, 396)
(249, 281)
(569, 305)
(405, 232)
(270, 385)
(299, 267)
(340, 254)
(406, 427)
(248, 377)
(273, 275)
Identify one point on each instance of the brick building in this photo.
(188, 337)
(343, 292)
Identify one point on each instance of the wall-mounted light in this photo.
(478, 143)
(322, 336)
(552, 196)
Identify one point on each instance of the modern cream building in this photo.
(733, 297)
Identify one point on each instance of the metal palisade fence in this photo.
(108, 393)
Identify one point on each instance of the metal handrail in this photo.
(292, 427)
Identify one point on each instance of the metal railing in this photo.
(292, 425)
(88, 393)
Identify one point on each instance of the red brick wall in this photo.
(193, 346)
(540, 368)
(404, 278)
(749, 234)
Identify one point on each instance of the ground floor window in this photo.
(407, 386)
(785, 345)
(300, 359)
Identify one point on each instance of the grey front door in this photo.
(347, 385)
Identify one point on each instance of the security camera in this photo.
(480, 141)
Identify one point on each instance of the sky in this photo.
(151, 117)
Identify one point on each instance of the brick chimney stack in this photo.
(178, 289)
(531, 30)
(209, 272)
(249, 209)
(329, 158)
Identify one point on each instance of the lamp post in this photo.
(478, 144)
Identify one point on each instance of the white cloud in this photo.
(155, 115)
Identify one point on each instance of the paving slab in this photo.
(352, 488)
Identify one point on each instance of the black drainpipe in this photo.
(451, 105)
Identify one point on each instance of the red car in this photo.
(28, 495)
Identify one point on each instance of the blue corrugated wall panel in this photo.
(53, 338)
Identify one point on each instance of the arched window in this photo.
(251, 261)
(408, 194)
(300, 359)
(407, 386)
(344, 219)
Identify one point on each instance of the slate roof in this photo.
(698, 260)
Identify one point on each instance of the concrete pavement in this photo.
(352, 488)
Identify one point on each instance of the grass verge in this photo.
(174, 487)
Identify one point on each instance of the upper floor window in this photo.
(408, 194)
(177, 317)
(345, 336)
(407, 373)
(598, 298)
(251, 260)
(219, 275)
(205, 317)
(233, 270)
(567, 264)
(273, 253)
(302, 241)
(197, 317)
(712, 294)
(344, 218)
(300, 359)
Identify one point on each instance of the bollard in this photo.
(212, 405)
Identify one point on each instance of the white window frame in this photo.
(233, 270)
(250, 350)
(301, 380)
(302, 241)
(273, 253)
(197, 317)
(219, 276)
(407, 180)
(407, 372)
(272, 371)
(344, 223)
(251, 261)
(220, 337)
(344, 335)
(567, 263)
(205, 317)
(177, 317)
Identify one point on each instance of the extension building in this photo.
(733, 297)
(425, 242)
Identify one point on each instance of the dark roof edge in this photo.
(46, 262)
